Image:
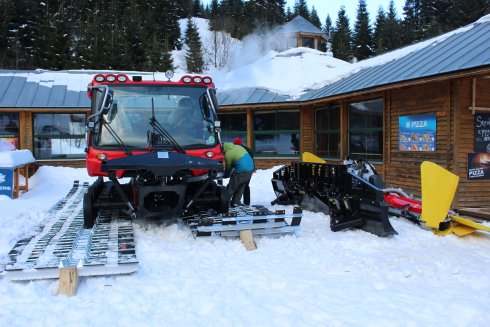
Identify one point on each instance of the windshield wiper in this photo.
(116, 137)
(161, 132)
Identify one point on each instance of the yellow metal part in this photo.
(438, 189)
(310, 157)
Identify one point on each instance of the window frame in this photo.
(35, 137)
(370, 156)
(317, 133)
(15, 135)
(276, 132)
(231, 134)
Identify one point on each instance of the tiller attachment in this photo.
(351, 201)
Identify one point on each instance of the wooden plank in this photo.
(483, 213)
(68, 281)
(247, 239)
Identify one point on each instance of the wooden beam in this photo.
(68, 281)
(247, 239)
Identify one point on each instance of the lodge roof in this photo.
(300, 25)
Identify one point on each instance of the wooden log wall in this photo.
(402, 169)
(471, 193)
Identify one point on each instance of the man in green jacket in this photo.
(237, 157)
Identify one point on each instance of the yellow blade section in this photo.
(470, 223)
(438, 190)
(310, 157)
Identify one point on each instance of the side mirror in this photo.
(205, 107)
(106, 106)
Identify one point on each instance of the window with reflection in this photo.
(365, 129)
(233, 125)
(59, 136)
(276, 133)
(308, 42)
(327, 132)
(9, 128)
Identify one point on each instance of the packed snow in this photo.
(314, 278)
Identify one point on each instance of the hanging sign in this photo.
(417, 133)
(478, 165)
(482, 132)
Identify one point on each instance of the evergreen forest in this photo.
(140, 34)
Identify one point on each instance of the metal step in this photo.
(108, 248)
(257, 218)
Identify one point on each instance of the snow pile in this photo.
(314, 278)
(16, 158)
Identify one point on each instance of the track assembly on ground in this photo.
(256, 218)
(106, 249)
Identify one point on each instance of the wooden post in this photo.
(68, 281)
(247, 239)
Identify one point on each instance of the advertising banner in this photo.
(417, 133)
(482, 132)
(6, 182)
(478, 166)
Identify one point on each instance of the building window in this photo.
(9, 128)
(327, 132)
(233, 125)
(308, 42)
(276, 133)
(59, 136)
(365, 130)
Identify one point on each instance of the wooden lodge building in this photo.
(432, 103)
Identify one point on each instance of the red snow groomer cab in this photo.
(162, 137)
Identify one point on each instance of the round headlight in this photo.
(122, 78)
(99, 78)
(111, 78)
(187, 79)
(197, 79)
(207, 80)
(101, 156)
(210, 154)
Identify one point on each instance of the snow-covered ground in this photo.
(315, 278)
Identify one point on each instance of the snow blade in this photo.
(108, 248)
(351, 201)
(256, 218)
(438, 190)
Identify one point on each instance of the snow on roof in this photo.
(300, 25)
(12, 159)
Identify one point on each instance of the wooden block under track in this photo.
(247, 239)
(68, 281)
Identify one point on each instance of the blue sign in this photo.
(417, 133)
(6, 181)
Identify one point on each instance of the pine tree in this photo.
(362, 36)
(328, 28)
(468, 11)
(412, 24)
(379, 31)
(392, 28)
(197, 9)
(314, 19)
(342, 37)
(301, 8)
(194, 56)
(289, 14)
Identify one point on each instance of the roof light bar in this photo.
(99, 78)
(122, 78)
(111, 78)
